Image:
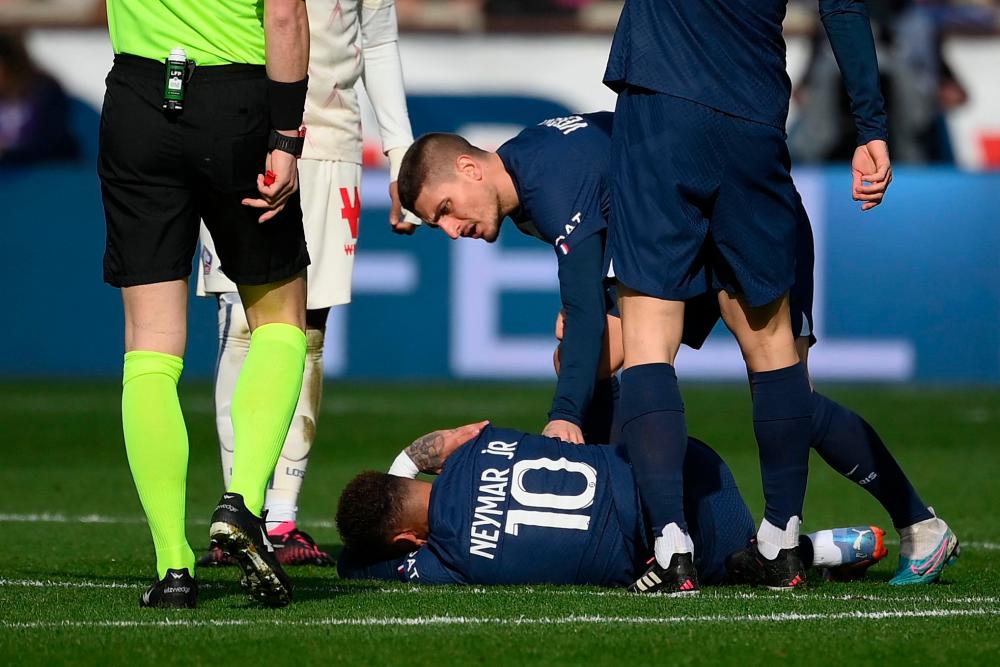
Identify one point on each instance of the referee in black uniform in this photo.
(201, 120)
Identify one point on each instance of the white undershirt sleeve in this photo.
(404, 466)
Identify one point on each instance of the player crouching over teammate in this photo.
(514, 508)
(557, 171)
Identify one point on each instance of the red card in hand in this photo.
(270, 177)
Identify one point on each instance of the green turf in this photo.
(69, 590)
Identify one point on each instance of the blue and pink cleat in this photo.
(925, 549)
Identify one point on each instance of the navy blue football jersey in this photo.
(514, 508)
(560, 168)
(730, 55)
(511, 507)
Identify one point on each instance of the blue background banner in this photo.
(910, 291)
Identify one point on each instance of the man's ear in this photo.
(408, 538)
(469, 167)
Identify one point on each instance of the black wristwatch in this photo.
(281, 142)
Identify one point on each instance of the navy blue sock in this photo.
(782, 412)
(597, 422)
(655, 436)
(852, 447)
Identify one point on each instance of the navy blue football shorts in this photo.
(700, 201)
(701, 313)
(800, 296)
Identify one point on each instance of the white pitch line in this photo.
(713, 593)
(49, 517)
(717, 594)
(495, 621)
(48, 583)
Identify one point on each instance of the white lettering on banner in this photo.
(375, 272)
(480, 274)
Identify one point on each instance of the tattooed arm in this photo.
(428, 453)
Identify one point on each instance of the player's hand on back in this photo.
(871, 165)
(429, 452)
(564, 430)
(274, 193)
(397, 219)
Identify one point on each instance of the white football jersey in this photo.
(332, 116)
(336, 62)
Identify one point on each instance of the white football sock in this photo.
(282, 497)
(918, 541)
(234, 343)
(825, 552)
(771, 539)
(672, 540)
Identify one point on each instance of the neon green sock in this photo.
(157, 445)
(264, 400)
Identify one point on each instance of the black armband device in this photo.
(287, 102)
(292, 145)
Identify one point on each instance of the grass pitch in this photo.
(77, 555)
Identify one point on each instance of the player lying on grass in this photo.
(551, 180)
(514, 508)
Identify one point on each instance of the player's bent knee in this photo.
(652, 328)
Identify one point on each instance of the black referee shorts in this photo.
(160, 174)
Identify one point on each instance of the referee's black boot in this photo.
(679, 579)
(177, 590)
(243, 537)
